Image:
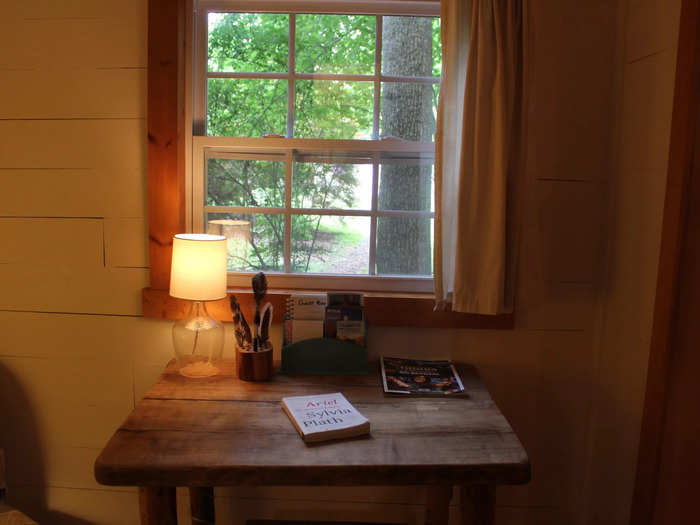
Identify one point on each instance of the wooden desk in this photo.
(221, 431)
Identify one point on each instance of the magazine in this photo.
(414, 376)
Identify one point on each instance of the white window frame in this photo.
(201, 146)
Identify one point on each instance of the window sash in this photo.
(333, 7)
(202, 73)
(290, 151)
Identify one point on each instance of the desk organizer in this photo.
(254, 366)
(324, 356)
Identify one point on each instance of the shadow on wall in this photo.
(19, 437)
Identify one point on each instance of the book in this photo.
(346, 299)
(311, 306)
(325, 416)
(345, 317)
(296, 330)
(351, 331)
(304, 317)
(419, 377)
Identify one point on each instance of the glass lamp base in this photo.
(198, 341)
(201, 368)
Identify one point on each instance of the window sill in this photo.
(381, 309)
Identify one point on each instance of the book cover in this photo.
(346, 322)
(419, 377)
(324, 416)
(310, 306)
(296, 330)
(346, 299)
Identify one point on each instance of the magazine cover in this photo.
(413, 376)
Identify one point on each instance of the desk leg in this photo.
(157, 505)
(478, 504)
(437, 507)
(202, 505)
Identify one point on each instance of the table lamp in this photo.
(198, 274)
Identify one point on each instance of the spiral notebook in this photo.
(304, 317)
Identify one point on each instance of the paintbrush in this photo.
(240, 325)
(259, 291)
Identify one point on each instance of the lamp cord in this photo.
(196, 332)
(196, 336)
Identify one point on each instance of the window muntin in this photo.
(348, 98)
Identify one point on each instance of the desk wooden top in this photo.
(222, 431)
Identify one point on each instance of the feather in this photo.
(259, 287)
(259, 291)
(241, 328)
(265, 323)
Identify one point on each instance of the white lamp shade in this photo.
(198, 270)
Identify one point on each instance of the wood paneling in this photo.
(66, 289)
(652, 26)
(379, 494)
(74, 243)
(32, 193)
(235, 511)
(80, 407)
(166, 174)
(67, 336)
(380, 310)
(570, 99)
(107, 93)
(114, 145)
(67, 506)
(647, 99)
(665, 462)
(558, 272)
(126, 243)
(95, 10)
(62, 466)
(65, 35)
(633, 223)
(99, 192)
(679, 458)
(567, 220)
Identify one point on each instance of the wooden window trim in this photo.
(168, 28)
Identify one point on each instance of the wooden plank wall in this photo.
(646, 84)
(75, 355)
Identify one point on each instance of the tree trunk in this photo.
(403, 244)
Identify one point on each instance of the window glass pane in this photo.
(406, 184)
(408, 111)
(436, 95)
(404, 246)
(248, 42)
(409, 46)
(332, 183)
(240, 107)
(437, 48)
(333, 109)
(335, 44)
(255, 241)
(245, 182)
(330, 244)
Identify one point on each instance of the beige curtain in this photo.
(477, 153)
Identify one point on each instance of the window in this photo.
(313, 149)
